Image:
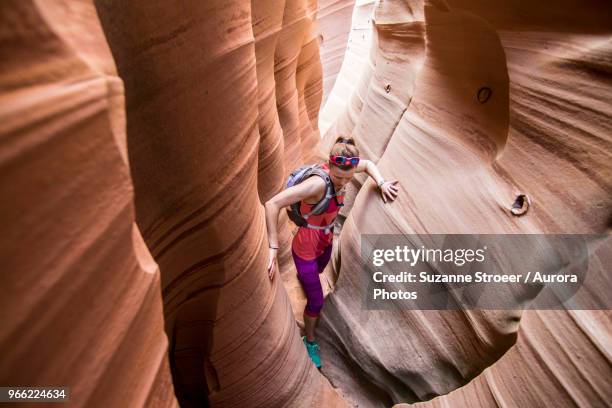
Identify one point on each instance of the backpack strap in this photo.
(302, 174)
(327, 228)
(330, 192)
(322, 205)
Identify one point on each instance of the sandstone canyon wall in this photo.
(140, 139)
(220, 99)
(80, 302)
(544, 132)
(213, 89)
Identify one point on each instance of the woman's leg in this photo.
(308, 275)
(311, 322)
(323, 259)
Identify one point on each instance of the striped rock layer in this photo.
(140, 139)
(545, 131)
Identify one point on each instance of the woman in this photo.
(311, 248)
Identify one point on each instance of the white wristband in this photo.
(381, 182)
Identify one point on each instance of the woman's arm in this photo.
(313, 187)
(370, 169)
(388, 189)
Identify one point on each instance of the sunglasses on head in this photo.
(344, 161)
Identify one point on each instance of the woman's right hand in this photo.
(272, 263)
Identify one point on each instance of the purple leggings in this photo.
(308, 273)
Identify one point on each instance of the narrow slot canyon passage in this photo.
(140, 142)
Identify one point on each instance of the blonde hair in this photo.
(344, 146)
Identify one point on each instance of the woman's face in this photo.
(340, 177)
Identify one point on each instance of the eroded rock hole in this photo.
(521, 205)
(484, 94)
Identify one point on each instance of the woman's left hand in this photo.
(389, 190)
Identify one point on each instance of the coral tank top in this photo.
(309, 243)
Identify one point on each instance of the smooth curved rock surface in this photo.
(267, 22)
(221, 101)
(195, 135)
(80, 301)
(544, 132)
(334, 22)
(353, 64)
(561, 358)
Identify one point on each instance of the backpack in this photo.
(296, 177)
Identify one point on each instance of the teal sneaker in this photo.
(313, 352)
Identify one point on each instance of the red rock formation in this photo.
(543, 132)
(267, 19)
(334, 26)
(222, 100)
(80, 296)
(198, 82)
(308, 84)
(354, 62)
(560, 358)
(191, 75)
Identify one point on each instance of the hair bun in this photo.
(344, 146)
(346, 140)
